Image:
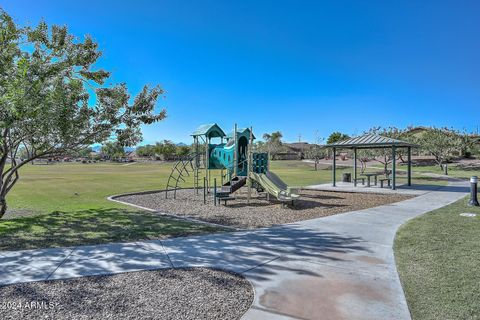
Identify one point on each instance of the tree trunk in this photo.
(3, 207)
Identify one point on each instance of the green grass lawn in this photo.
(59, 197)
(68, 206)
(299, 173)
(438, 256)
(454, 171)
(91, 226)
(70, 186)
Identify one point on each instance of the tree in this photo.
(273, 143)
(84, 152)
(364, 155)
(146, 151)
(383, 155)
(336, 137)
(260, 146)
(46, 79)
(182, 151)
(316, 152)
(441, 143)
(467, 144)
(113, 150)
(166, 149)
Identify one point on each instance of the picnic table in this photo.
(369, 175)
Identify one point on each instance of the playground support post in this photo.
(235, 151)
(196, 165)
(204, 190)
(249, 165)
(207, 162)
(214, 191)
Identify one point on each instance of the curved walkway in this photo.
(337, 267)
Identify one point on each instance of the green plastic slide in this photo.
(275, 186)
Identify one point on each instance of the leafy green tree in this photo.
(442, 143)
(336, 137)
(84, 152)
(383, 155)
(467, 144)
(273, 143)
(168, 150)
(260, 146)
(44, 102)
(113, 150)
(182, 151)
(146, 151)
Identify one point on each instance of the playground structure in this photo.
(239, 166)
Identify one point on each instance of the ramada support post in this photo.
(394, 156)
(354, 164)
(333, 167)
(409, 181)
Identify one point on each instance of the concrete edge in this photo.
(173, 216)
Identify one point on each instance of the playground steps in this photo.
(236, 184)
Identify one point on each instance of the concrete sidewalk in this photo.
(337, 267)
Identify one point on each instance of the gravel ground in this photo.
(197, 293)
(260, 212)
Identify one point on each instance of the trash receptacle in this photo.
(347, 177)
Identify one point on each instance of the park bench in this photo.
(387, 179)
(358, 179)
(383, 180)
(225, 199)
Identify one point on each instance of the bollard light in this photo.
(473, 191)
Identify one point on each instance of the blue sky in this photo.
(294, 66)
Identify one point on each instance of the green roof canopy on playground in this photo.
(241, 132)
(212, 130)
(372, 141)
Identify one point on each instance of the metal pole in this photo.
(355, 163)
(204, 190)
(393, 168)
(207, 167)
(473, 192)
(333, 168)
(197, 165)
(409, 166)
(249, 165)
(235, 151)
(214, 191)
